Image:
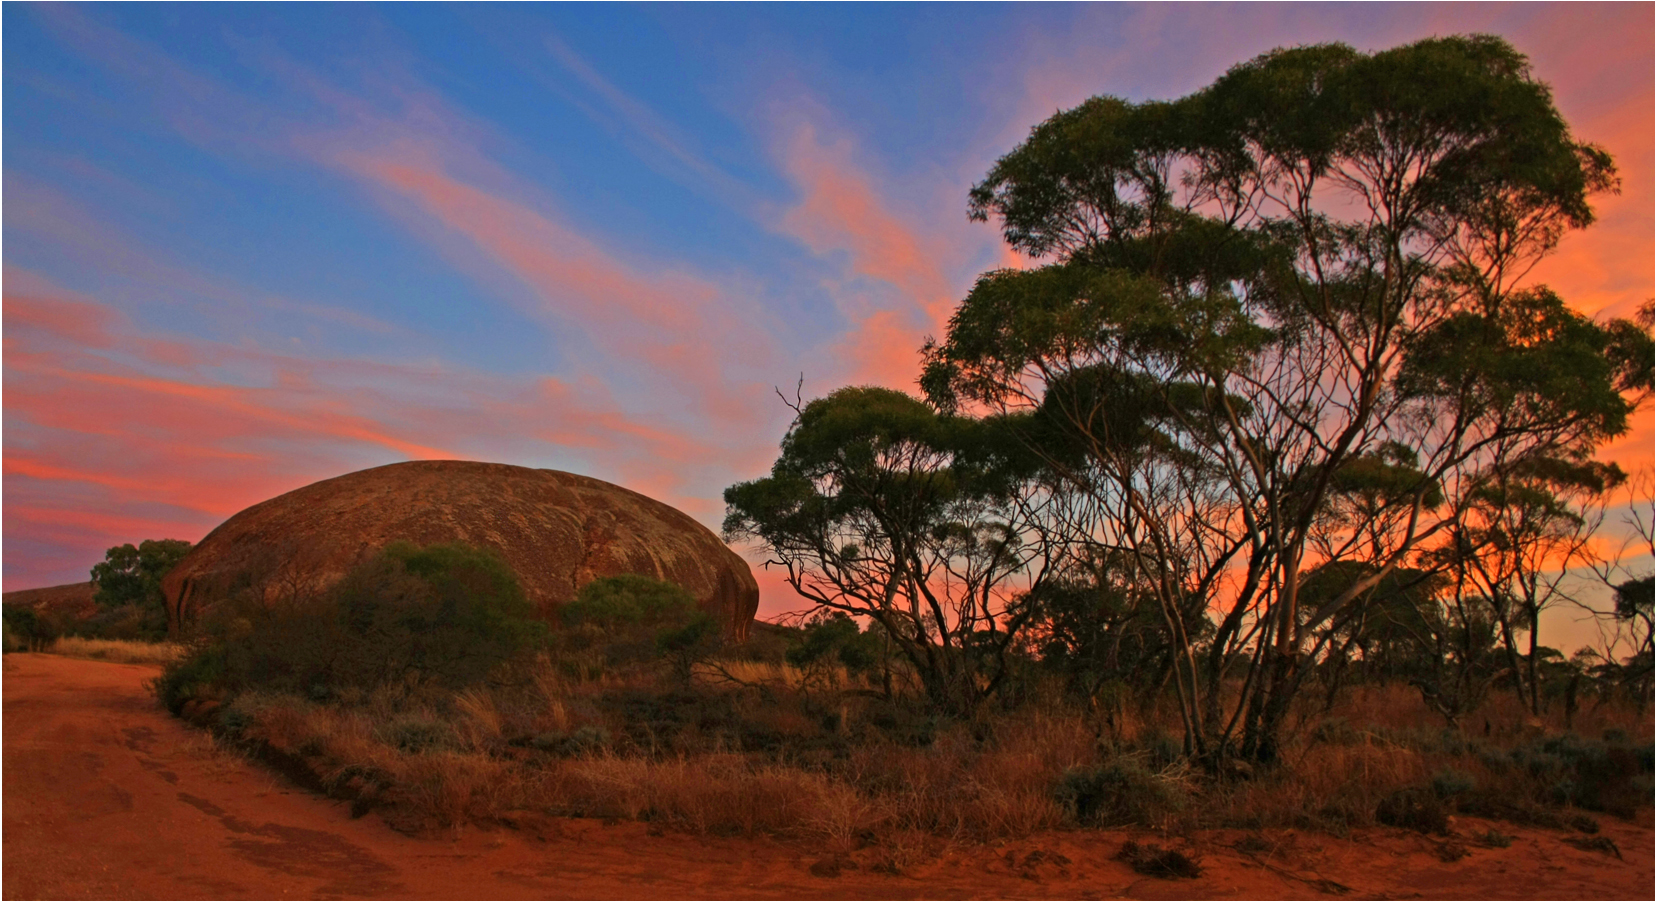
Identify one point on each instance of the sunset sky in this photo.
(248, 247)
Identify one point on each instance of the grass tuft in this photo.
(119, 651)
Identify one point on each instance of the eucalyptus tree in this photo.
(1523, 530)
(879, 508)
(1317, 261)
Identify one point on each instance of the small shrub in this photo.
(1119, 793)
(833, 643)
(416, 734)
(633, 618)
(190, 676)
(26, 630)
(1414, 809)
(444, 617)
(1451, 784)
(1605, 845)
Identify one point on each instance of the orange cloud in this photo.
(107, 443)
(841, 212)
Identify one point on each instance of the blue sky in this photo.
(250, 246)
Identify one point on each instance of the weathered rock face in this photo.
(557, 530)
(73, 601)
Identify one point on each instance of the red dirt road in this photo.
(105, 796)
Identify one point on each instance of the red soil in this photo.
(108, 797)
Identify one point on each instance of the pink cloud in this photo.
(683, 329)
(105, 439)
(841, 211)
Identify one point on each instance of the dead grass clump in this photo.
(119, 651)
(721, 794)
(1331, 786)
(455, 787)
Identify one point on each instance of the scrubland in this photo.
(756, 747)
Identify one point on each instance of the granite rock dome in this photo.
(557, 530)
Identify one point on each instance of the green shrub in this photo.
(634, 618)
(415, 733)
(191, 676)
(444, 616)
(27, 630)
(1116, 794)
(1415, 809)
(1451, 784)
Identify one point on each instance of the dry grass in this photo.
(119, 651)
(758, 754)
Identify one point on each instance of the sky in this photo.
(247, 247)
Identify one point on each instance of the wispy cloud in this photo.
(158, 446)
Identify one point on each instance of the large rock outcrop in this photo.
(557, 530)
(72, 601)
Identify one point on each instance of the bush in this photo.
(26, 630)
(444, 616)
(1414, 809)
(830, 640)
(191, 676)
(1116, 794)
(635, 618)
(1451, 784)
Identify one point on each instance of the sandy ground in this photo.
(105, 796)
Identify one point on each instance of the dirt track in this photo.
(105, 796)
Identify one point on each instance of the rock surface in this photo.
(557, 530)
(71, 600)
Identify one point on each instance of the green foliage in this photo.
(881, 508)
(1452, 784)
(630, 601)
(1099, 630)
(835, 639)
(131, 575)
(1118, 793)
(1277, 322)
(415, 733)
(1635, 598)
(836, 636)
(1570, 770)
(128, 594)
(441, 616)
(29, 630)
(197, 674)
(634, 618)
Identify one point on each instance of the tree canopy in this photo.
(1278, 352)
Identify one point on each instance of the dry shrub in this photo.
(455, 787)
(845, 771)
(746, 672)
(714, 793)
(1331, 785)
(119, 651)
(477, 721)
(1155, 861)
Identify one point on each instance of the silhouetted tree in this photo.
(1312, 263)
